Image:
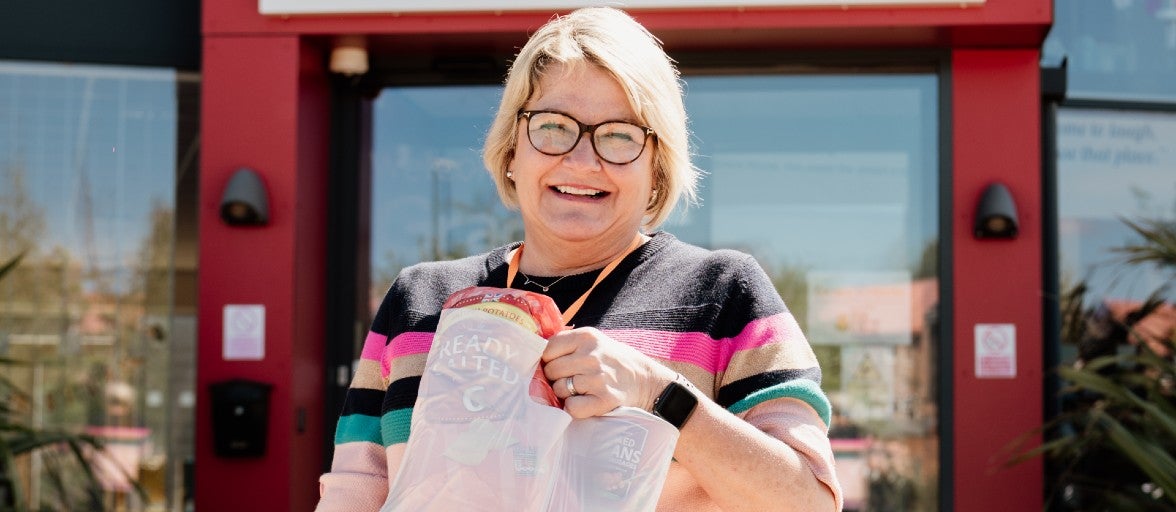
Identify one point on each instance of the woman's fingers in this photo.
(586, 406)
(603, 372)
(568, 353)
(566, 343)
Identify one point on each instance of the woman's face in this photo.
(577, 196)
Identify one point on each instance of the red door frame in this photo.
(266, 106)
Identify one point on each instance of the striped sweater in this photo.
(713, 316)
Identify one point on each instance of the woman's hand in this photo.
(739, 466)
(605, 373)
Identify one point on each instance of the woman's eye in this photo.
(617, 136)
(555, 127)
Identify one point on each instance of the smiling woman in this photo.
(589, 145)
(793, 163)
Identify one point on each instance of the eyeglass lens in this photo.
(616, 142)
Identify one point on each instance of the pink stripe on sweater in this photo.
(373, 346)
(779, 328)
(701, 350)
(408, 344)
(405, 344)
(685, 347)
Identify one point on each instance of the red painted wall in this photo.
(264, 106)
(996, 123)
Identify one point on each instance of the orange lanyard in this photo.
(512, 269)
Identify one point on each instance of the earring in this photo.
(510, 175)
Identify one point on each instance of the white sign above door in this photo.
(285, 7)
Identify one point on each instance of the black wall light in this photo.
(244, 201)
(996, 214)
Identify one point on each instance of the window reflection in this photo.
(1116, 49)
(1115, 184)
(88, 166)
(432, 198)
(1113, 166)
(830, 181)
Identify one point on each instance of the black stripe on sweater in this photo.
(363, 401)
(402, 394)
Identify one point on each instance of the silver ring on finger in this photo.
(571, 386)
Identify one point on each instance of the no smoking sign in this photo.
(244, 332)
(996, 351)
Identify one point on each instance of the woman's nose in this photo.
(583, 155)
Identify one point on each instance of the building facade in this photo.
(846, 145)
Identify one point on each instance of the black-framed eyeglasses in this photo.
(556, 133)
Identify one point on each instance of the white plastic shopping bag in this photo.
(616, 462)
(483, 438)
(478, 441)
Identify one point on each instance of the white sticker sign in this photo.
(996, 351)
(244, 332)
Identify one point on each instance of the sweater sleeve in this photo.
(772, 378)
(795, 423)
(769, 357)
(377, 412)
(358, 479)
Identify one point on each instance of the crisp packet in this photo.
(532, 311)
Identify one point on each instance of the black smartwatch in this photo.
(676, 403)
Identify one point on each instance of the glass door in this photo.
(831, 182)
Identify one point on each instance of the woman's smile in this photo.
(579, 192)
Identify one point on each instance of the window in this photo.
(1113, 166)
(90, 161)
(1116, 49)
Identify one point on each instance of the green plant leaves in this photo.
(1150, 457)
(1159, 242)
(1112, 446)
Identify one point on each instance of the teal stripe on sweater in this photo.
(800, 389)
(395, 425)
(357, 428)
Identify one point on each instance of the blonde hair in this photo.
(614, 41)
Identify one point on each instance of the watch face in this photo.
(675, 404)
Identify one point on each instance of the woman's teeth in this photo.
(588, 192)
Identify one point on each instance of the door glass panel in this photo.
(431, 196)
(89, 160)
(830, 181)
(1114, 167)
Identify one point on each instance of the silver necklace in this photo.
(527, 280)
